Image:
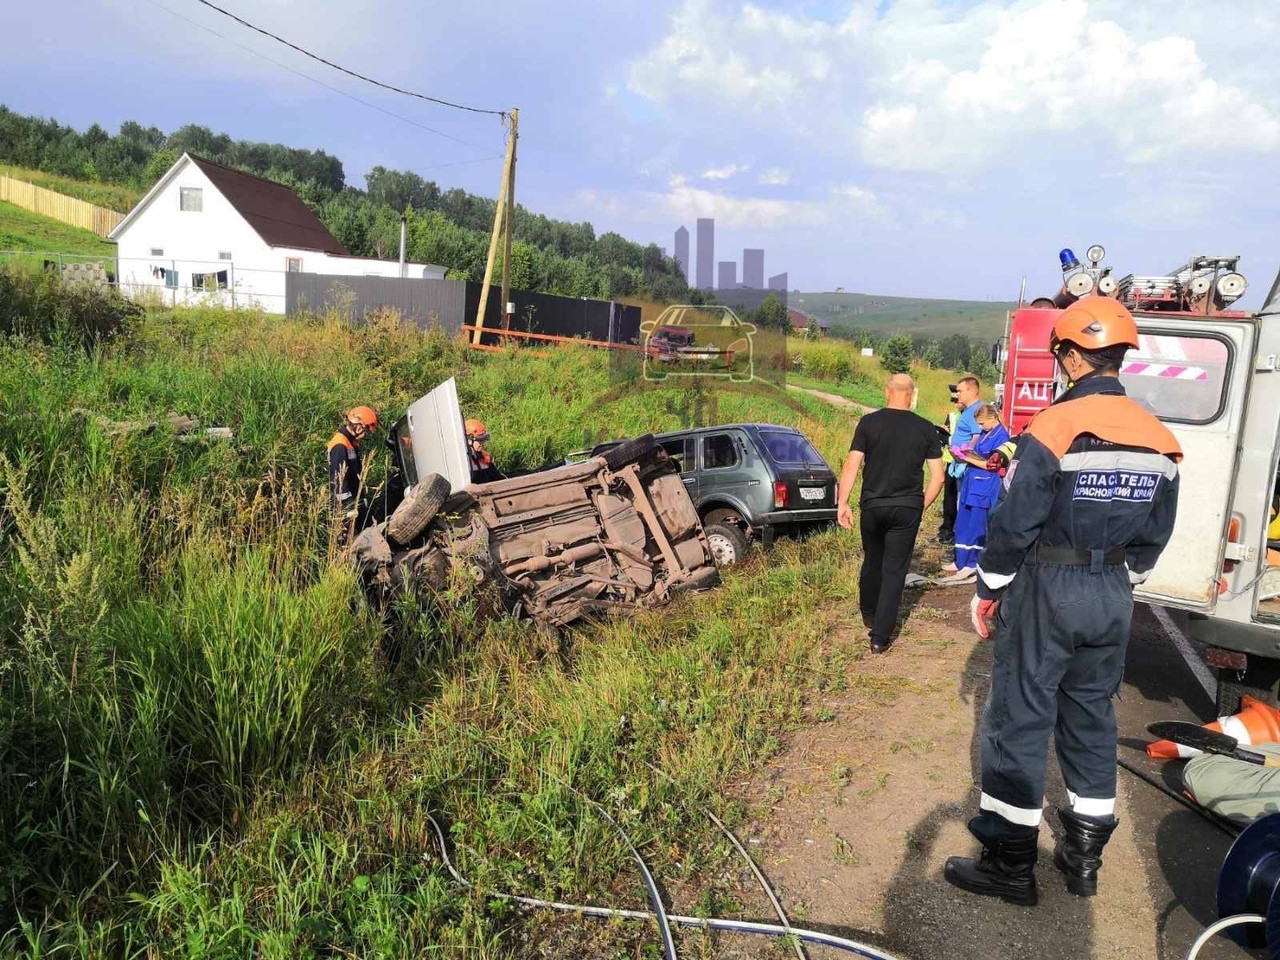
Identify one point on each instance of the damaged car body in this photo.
(612, 533)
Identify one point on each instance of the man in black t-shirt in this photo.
(896, 446)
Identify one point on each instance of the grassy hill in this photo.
(114, 196)
(22, 230)
(214, 745)
(933, 319)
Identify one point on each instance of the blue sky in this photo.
(910, 147)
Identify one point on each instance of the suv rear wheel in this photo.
(728, 543)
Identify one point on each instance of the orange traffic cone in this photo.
(1257, 722)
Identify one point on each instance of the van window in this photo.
(718, 451)
(681, 451)
(787, 447)
(1179, 377)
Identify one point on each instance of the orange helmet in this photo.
(476, 430)
(365, 416)
(1094, 323)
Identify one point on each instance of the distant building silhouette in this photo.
(778, 282)
(728, 275)
(706, 252)
(753, 269)
(682, 252)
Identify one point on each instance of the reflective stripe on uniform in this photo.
(1092, 806)
(1131, 460)
(1019, 815)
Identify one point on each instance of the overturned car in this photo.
(614, 532)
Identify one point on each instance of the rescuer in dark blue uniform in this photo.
(1088, 505)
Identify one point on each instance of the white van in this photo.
(1210, 373)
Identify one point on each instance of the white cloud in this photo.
(859, 201)
(774, 177)
(723, 173)
(677, 180)
(1051, 70)
(924, 85)
(687, 203)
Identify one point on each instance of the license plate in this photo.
(812, 493)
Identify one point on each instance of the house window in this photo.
(191, 199)
(157, 251)
(171, 279)
(293, 264)
(209, 281)
(224, 254)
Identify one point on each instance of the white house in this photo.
(207, 231)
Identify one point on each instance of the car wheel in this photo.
(416, 513)
(728, 544)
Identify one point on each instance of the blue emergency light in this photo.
(1069, 261)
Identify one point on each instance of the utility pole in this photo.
(509, 220)
(499, 216)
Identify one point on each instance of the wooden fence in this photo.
(58, 206)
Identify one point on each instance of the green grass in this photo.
(208, 749)
(22, 230)
(837, 366)
(113, 196)
(933, 319)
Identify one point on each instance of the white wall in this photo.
(192, 241)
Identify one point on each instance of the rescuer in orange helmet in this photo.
(482, 468)
(345, 467)
(1087, 506)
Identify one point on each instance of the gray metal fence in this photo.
(439, 302)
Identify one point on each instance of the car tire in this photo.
(415, 513)
(727, 542)
(629, 451)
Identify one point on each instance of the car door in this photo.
(1195, 376)
(683, 450)
(728, 472)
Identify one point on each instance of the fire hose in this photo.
(659, 914)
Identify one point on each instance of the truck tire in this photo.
(1259, 680)
(728, 543)
(415, 513)
(629, 451)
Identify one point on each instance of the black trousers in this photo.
(1058, 660)
(950, 505)
(888, 537)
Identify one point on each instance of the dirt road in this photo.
(854, 819)
(844, 403)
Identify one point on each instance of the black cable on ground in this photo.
(1222, 823)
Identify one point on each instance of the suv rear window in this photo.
(786, 447)
(718, 451)
(1179, 377)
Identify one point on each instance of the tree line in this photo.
(450, 227)
(953, 352)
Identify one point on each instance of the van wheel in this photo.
(728, 544)
(415, 514)
(629, 451)
(1259, 680)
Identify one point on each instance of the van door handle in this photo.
(687, 479)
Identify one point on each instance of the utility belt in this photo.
(1095, 560)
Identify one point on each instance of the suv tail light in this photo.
(779, 496)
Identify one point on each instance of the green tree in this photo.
(771, 314)
(932, 355)
(896, 356)
(955, 351)
(811, 329)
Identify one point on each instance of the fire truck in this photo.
(1209, 371)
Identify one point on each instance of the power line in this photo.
(358, 76)
(327, 86)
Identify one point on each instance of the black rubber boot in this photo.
(1006, 869)
(1078, 852)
